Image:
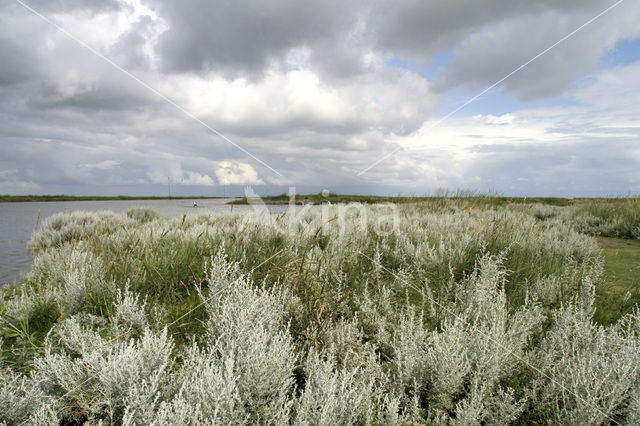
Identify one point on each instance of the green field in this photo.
(620, 290)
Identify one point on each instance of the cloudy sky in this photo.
(125, 96)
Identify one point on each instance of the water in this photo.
(18, 221)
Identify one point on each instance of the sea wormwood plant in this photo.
(63, 228)
(591, 373)
(246, 327)
(454, 316)
(142, 214)
(616, 217)
(478, 345)
(62, 282)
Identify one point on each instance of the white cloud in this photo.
(298, 98)
(566, 145)
(194, 178)
(229, 173)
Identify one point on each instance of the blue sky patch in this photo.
(625, 52)
(430, 72)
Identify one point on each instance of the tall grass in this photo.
(450, 314)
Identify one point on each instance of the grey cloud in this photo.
(64, 110)
(58, 6)
(588, 168)
(128, 51)
(242, 37)
(16, 65)
(495, 51)
(340, 58)
(20, 54)
(574, 168)
(36, 74)
(417, 28)
(487, 56)
(285, 128)
(492, 38)
(489, 38)
(101, 96)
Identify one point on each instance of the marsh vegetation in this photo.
(458, 311)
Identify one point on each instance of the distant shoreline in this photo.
(40, 198)
(301, 199)
(320, 199)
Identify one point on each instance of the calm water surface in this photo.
(18, 221)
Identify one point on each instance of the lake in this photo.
(18, 221)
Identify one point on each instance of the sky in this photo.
(384, 97)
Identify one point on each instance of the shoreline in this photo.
(48, 198)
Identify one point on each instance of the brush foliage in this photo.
(452, 314)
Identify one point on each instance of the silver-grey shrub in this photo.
(478, 344)
(101, 378)
(64, 278)
(345, 394)
(142, 214)
(22, 402)
(590, 373)
(63, 228)
(247, 328)
(416, 326)
(130, 312)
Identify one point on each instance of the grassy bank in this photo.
(473, 199)
(453, 311)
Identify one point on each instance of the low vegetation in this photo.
(439, 198)
(619, 292)
(609, 217)
(456, 311)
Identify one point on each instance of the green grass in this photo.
(620, 291)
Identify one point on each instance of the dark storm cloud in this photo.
(36, 73)
(245, 36)
(417, 28)
(57, 6)
(489, 38)
(100, 96)
(493, 52)
(19, 56)
(17, 64)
